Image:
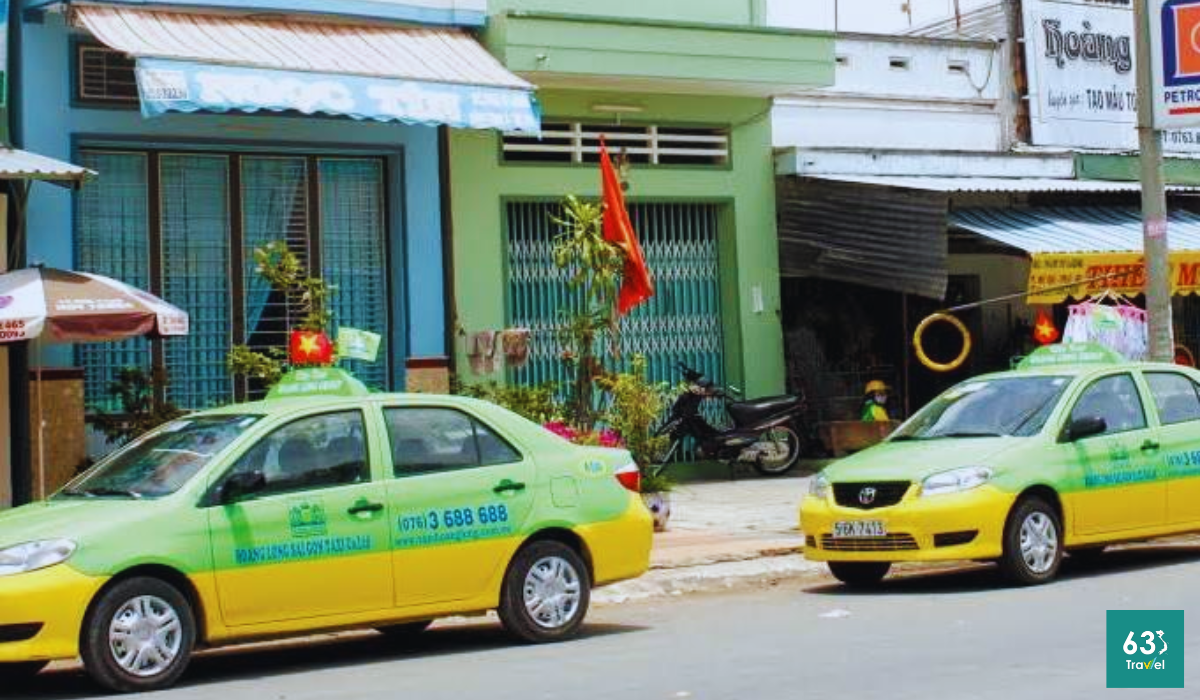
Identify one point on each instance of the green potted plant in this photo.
(636, 406)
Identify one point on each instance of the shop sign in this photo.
(1081, 64)
(178, 86)
(1175, 28)
(1055, 277)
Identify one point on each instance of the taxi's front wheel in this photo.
(1032, 543)
(138, 636)
(546, 593)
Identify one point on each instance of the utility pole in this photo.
(1154, 198)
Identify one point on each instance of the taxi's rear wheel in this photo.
(859, 574)
(1032, 543)
(138, 636)
(546, 593)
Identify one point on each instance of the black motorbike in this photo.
(763, 435)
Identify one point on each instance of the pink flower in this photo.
(611, 438)
(561, 429)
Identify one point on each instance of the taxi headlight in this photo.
(955, 481)
(819, 486)
(32, 556)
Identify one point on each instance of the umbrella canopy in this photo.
(65, 307)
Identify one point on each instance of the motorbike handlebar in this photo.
(689, 374)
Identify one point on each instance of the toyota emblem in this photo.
(867, 496)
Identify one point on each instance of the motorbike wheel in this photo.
(778, 449)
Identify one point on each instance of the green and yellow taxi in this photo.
(1074, 450)
(323, 507)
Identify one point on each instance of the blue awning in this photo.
(1074, 229)
(191, 62)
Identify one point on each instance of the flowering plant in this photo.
(605, 437)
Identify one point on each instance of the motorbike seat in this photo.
(748, 412)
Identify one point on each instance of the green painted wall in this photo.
(479, 184)
(1177, 171)
(718, 11)
(739, 56)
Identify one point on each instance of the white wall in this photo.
(801, 14)
(881, 16)
(901, 93)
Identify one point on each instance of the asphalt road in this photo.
(951, 634)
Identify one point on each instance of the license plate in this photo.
(859, 528)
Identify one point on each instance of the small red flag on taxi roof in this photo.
(1044, 330)
(310, 348)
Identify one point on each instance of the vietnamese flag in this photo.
(636, 285)
(310, 348)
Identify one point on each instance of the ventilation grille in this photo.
(105, 76)
(562, 142)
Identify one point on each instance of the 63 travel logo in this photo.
(1144, 648)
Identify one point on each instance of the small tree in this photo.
(309, 296)
(134, 389)
(594, 267)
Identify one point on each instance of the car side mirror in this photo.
(240, 485)
(1087, 426)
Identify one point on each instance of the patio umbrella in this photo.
(58, 306)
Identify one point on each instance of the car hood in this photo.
(73, 519)
(913, 460)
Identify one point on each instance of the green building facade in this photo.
(683, 91)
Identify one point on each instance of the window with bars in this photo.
(574, 142)
(104, 76)
(329, 210)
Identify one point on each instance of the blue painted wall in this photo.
(54, 128)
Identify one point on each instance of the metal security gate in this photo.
(681, 322)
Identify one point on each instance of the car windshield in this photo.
(1016, 406)
(163, 461)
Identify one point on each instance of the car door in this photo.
(1176, 399)
(1116, 470)
(461, 492)
(312, 539)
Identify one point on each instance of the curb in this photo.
(730, 574)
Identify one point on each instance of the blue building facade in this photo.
(182, 200)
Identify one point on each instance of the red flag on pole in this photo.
(636, 285)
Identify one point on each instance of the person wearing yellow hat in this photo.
(875, 401)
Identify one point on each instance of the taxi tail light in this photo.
(630, 477)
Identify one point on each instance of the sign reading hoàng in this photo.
(1081, 65)
(1066, 275)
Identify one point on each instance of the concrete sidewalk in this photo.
(724, 534)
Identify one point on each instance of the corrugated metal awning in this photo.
(889, 238)
(1074, 229)
(992, 184)
(194, 61)
(23, 165)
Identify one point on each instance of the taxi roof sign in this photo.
(317, 381)
(1071, 354)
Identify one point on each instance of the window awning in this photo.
(190, 62)
(16, 164)
(1077, 251)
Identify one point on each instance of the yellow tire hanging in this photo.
(925, 359)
